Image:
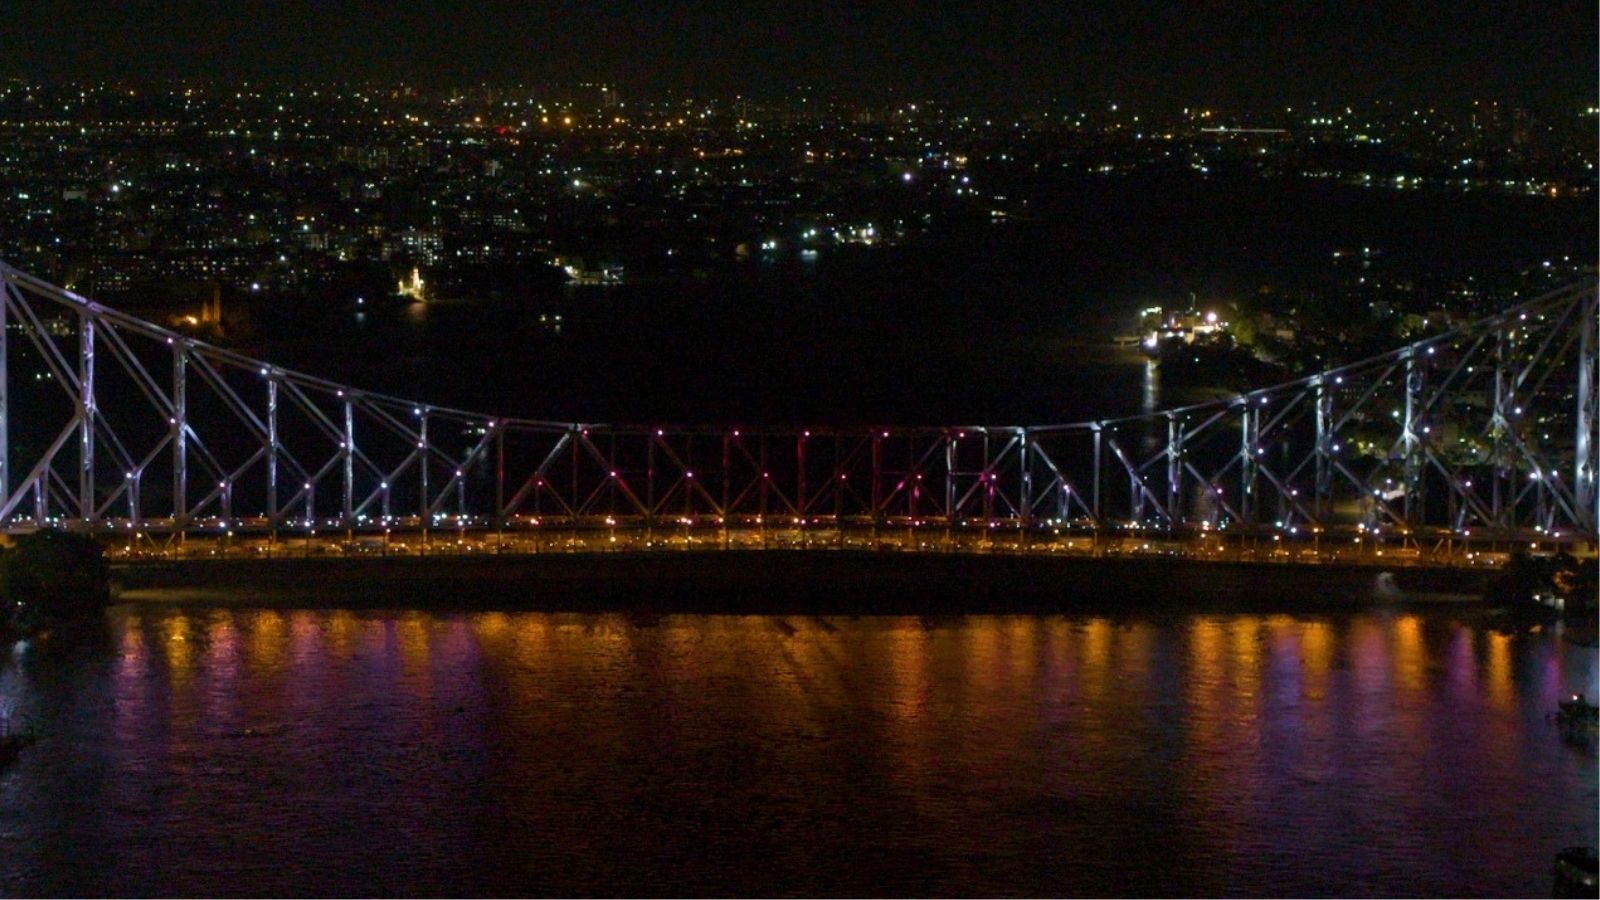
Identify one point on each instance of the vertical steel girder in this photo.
(180, 439)
(1499, 425)
(1025, 482)
(1586, 447)
(1098, 468)
(347, 447)
(425, 511)
(1174, 453)
(86, 418)
(1412, 439)
(1247, 464)
(274, 511)
(1324, 447)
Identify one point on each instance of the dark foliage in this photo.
(1527, 577)
(53, 577)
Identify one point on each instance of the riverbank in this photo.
(837, 582)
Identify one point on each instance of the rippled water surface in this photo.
(331, 752)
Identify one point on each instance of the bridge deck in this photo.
(849, 581)
(1257, 548)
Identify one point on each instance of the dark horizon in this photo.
(1245, 55)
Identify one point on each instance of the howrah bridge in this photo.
(1454, 448)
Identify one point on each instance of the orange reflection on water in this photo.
(1062, 675)
(788, 673)
(815, 659)
(1132, 647)
(490, 627)
(555, 745)
(1058, 647)
(531, 634)
(339, 632)
(909, 722)
(1410, 656)
(1497, 671)
(907, 658)
(411, 634)
(1244, 662)
(1316, 656)
(177, 648)
(984, 658)
(1022, 658)
(1096, 656)
(265, 647)
(1205, 653)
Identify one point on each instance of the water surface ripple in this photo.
(280, 752)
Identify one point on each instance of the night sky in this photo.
(1265, 52)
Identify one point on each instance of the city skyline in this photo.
(1246, 55)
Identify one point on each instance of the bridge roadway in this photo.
(1263, 546)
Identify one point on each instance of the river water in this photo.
(991, 325)
(205, 751)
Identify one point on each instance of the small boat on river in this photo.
(1577, 710)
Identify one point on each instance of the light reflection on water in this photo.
(352, 752)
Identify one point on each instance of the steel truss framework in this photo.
(111, 423)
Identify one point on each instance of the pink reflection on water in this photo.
(1283, 747)
(222, 664)
(130, 681)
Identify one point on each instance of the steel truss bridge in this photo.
(1483, 434)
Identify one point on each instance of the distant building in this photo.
(426, 245)
(1158, 326)
(414, 287)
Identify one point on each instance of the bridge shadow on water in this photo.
(790, 582)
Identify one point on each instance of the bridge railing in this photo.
(112, 423)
